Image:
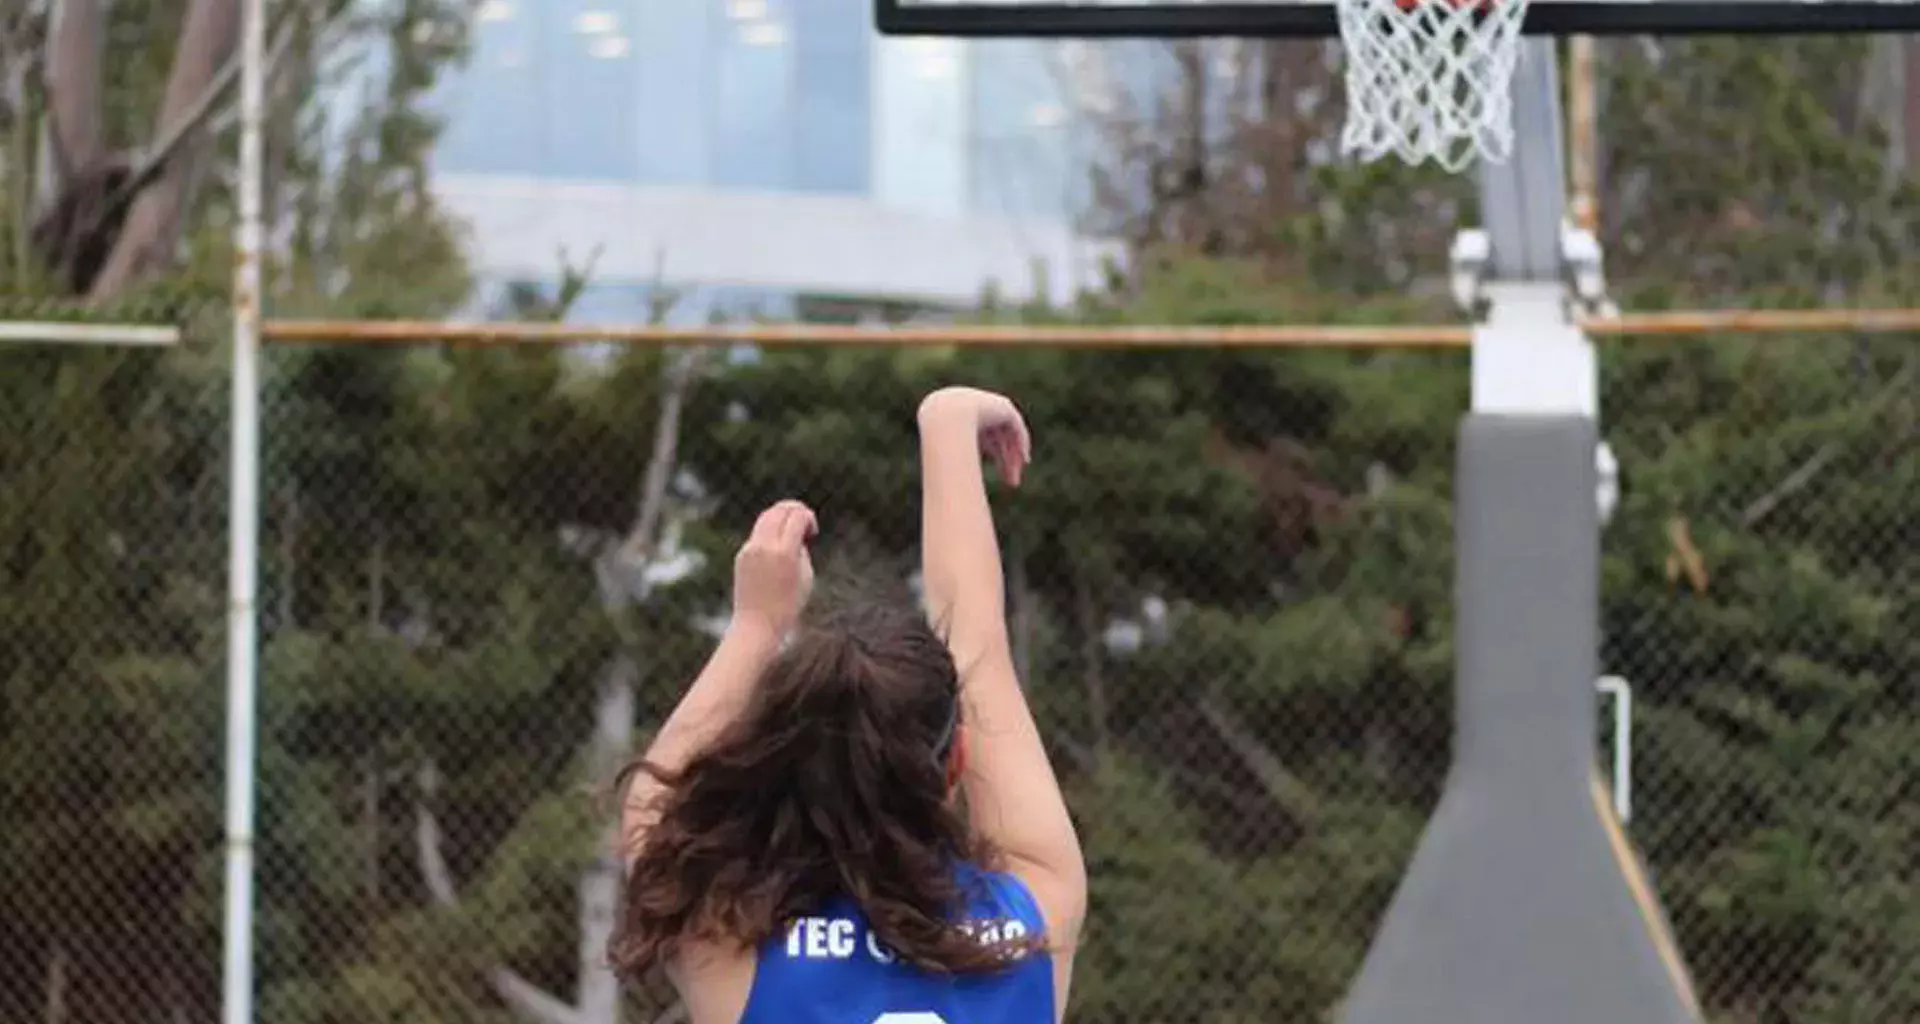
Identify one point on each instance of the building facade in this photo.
(760, 153)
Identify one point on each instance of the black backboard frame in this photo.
(1254, 20)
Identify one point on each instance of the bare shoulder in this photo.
(713, 982)
(1061, 896)
(1063, 905)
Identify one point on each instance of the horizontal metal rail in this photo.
(989, 335)
(1753, 321)
(1427, 336)
(59, 332)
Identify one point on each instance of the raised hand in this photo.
(994, 420)
(773, 572)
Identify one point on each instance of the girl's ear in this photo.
(957, 758)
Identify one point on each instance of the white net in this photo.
(1430, 79)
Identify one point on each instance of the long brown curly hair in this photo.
(833, 781)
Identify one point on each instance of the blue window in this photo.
(755, 129)
(832, 91)
(548, 91)
(675, 108)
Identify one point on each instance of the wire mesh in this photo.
(112, 557)
(1231, 569)
(464, 576)
(1760, 596)
(1759, 590)
(1231, 592)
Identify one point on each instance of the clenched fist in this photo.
(773, 573)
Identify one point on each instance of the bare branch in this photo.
(21, 67)
(1025, 612)
(1807, 471)
(643, 540)
(526, 999)
(203, 108)
(1794, 483)
(207, 40)
(426, 834)
(1285, 788)
(151, 160)
(598, 990)
(620, 570)
(57, 966)
(1093, 672)
(164, 176)
(529, 1001)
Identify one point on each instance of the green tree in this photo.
(1765, 472)
(1230, 572)
(1756, 587)
(111, 717)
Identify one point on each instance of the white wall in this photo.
(815, 244)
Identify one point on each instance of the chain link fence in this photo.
(112, 569)
(1760, 596)
(473, 601)
(487, 573)
(1231, 593)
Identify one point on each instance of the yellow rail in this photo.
(1429, 336)
(1304, 336)
(1753, 321)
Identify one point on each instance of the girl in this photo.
(854, 821)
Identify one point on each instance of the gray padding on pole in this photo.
(1518, 906)
(1523, 200)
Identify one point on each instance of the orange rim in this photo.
(1408, 5)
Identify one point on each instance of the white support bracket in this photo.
(1530, 358)
(1582, 264)
(1529, 354)
(1622, 693)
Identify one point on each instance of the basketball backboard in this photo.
(1177, 18)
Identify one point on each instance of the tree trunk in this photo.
(370, 770)
(1287, 790)
(285, 102)
(527, 1000)
(1910, 106)
(152, 230)
(1026, 611)
(598, 1001)
(74, 137)
(1093, 667)
(620, 568)
(623, 577)
(18, 167)
(56, 1009)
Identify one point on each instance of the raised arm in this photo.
(772, 575)
(1011, 790)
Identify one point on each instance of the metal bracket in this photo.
(1582, 265)
(1622, 693)
(1467, 268)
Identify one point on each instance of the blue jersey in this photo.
(830, 968)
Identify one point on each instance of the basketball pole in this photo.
(1524, 901)
(243, 524)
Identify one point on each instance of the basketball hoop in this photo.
(1430, 79)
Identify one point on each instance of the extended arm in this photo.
(714, 699)
(771, 578)
(1011, 790)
